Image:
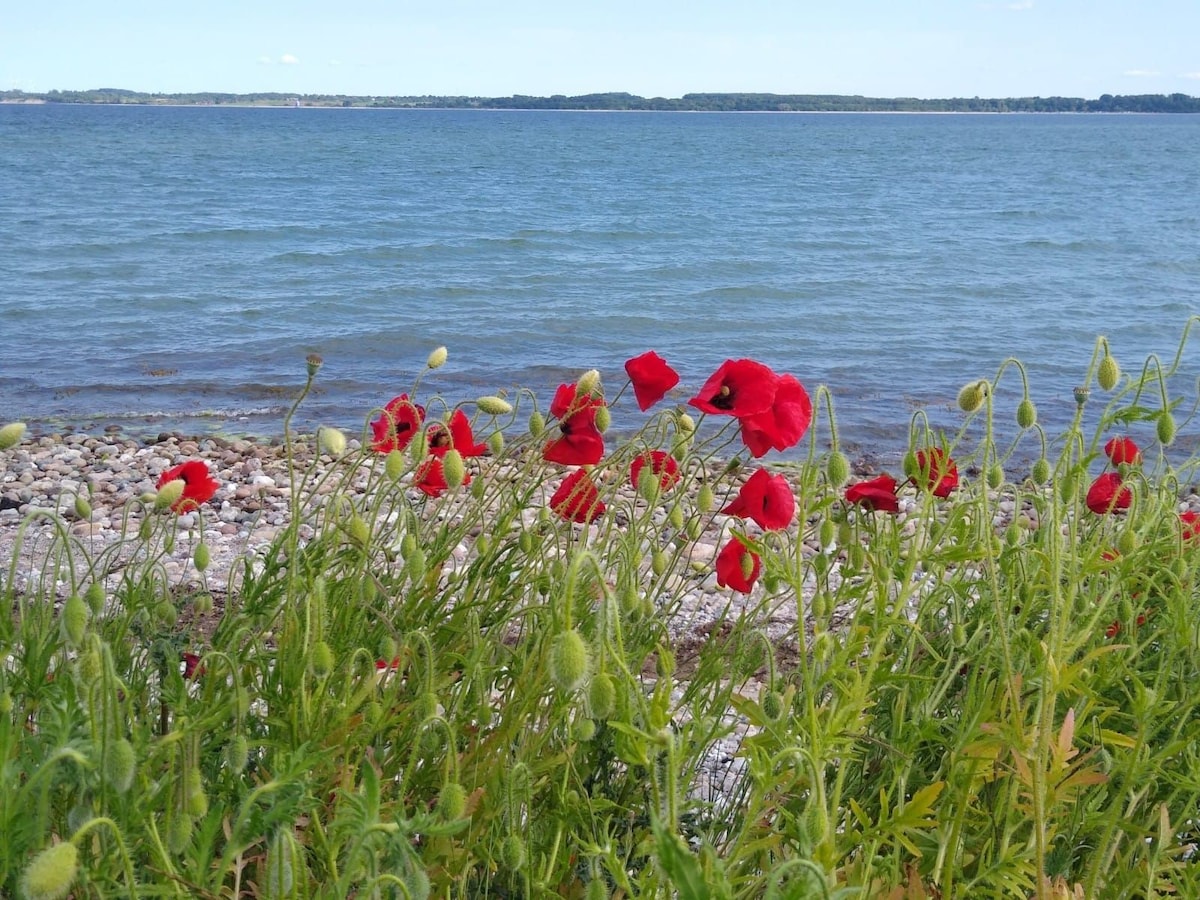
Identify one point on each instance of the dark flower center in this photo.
(724, 398)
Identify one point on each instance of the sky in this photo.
(655, 48)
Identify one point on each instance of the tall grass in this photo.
(988, 694)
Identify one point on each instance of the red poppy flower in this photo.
(581, 443)
(191, 666)
(430, 477)
(766, 499)
(1190, 523)
(938, 471)
(1113, 629)
(458, 436)
(577, 499)
(382, 664)
(395, 428)
(1108, 494)
(1123, 451)
(198, 485)
(651, 378)
(877, 493)
(738, 567)
(661, 463)
(783, 423)
(740, 388)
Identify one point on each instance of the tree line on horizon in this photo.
(617, 100)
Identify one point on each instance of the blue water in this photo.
(166, 268)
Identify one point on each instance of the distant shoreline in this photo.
(624, 102)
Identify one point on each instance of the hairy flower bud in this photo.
(201, 557)
(169, 493)
(237, 753)
(359, 531)
(659, 562)
(454, 470)
(331, 440)
(11, 434)
(568, 660)
(675, 517)
(393, 465)
(74, 620)
(589, 383)
(51, 873)
(685, 424)
(1165, 428)
(494, 406)
(1041, 471)
(1127, 543)
(772, 705)
(452, 801)
(495, 442)
(95, 597)
(971, 397)
(995, 476)
(603, 418)
(197, 800)
(827, 533)
(83, 509)
(1109, 373)
(837, 469)
(1026, 413)
(705, 499)
(437, 358)
(537, 423)
(321, 659)
(414, 564)
(602, 695)
(513, 853)
(120, 765)
(408, 545)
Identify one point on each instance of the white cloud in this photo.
(288, 60)
(1140, 73)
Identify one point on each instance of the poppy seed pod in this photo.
(568, 660)
(437, 358)
(494, 406)
(51, 873)
(11, 434)
(1109, 373)
(1026, 414)
(313, 362)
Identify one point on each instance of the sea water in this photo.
(170, 268)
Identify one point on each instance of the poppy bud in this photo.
(359, 531)
(1127, 543)
(237, 753)
(496, 443)
(603, 418)
(837, 468)
(279, 878)
(1165, 429)
(597, 890)
(1066, 488)
(971, 397)
(83, 509)
(747, 562)
(589, 383)
(437, 358)
(675, 517)
(321, 659)
(331, 440)
(415, 564)
(659, 562)
(537, 423)
(74, 620)
(393, 465)
(452, 801)
(1026, 414)
(483, 544)
(826, 534)
(418, 448)
(911, 467)
(695, 528)
(313, 362)
(512, 853)
(648, 484)
(197, 800)
(169, 493)
(1109, 373)
(201, 557)
(179, 832)
(408, 545)
(685, 424)
(454, 470)
(95, 597)
(416, 883)
(772, 705)
(583, 730)
(995, 476)
(494, 406)
(120, 765)
(11, 434)
(1041, 471)
(602, 695)
(526, 542)
(478, 486)
(568, 660)
(705, 499)
(51, 873)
